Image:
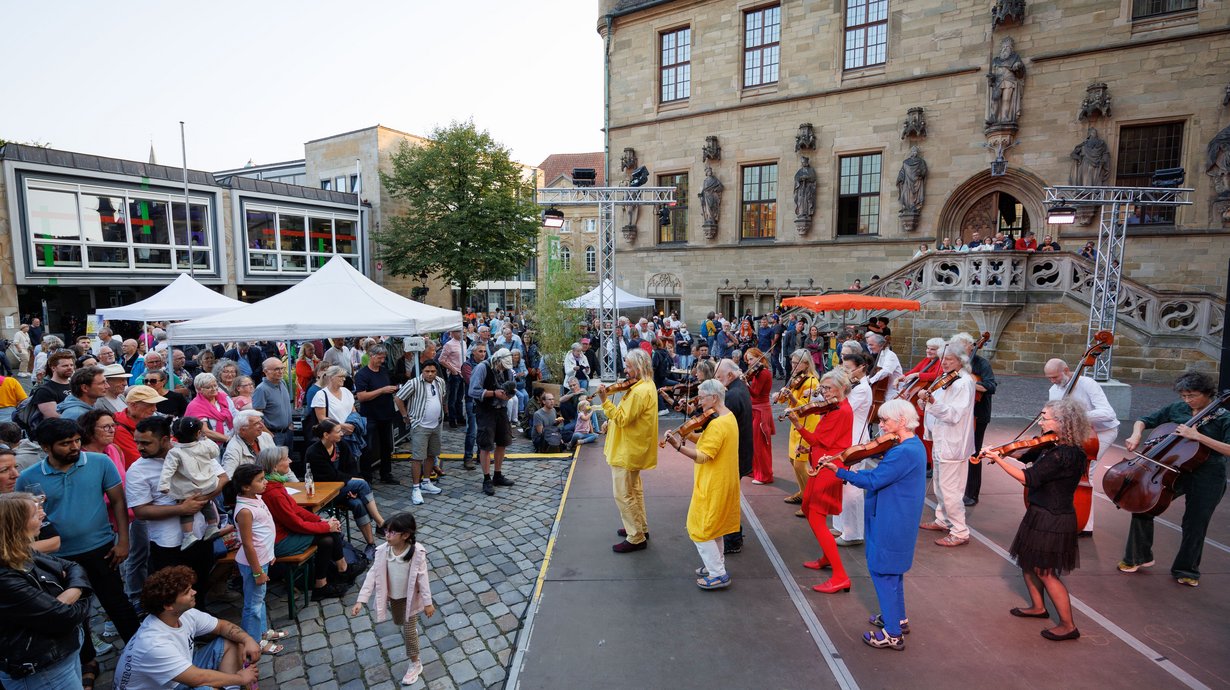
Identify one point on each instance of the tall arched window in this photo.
(591, 259)
(565, 258)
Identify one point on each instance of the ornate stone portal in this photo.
(911, 189)
(710, 202)
(804, 196)
(915, 125)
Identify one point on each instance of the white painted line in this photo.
(1171, 525)
(823, 642)
(1145, 650)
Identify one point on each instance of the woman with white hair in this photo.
(950, 426)
(576, 364)
(212, 406)
(714, 509)
(895, 490)
(631, 447)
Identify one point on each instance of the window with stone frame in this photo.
(1144, 149)
(565, 258)
(1146, 9)
(675, 51)
(759, 202)
(591, 259)
(762, 33)
(858, 195)
(677, 230)
(866, 33)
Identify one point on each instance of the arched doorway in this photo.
(1008, 203)
(666, 290)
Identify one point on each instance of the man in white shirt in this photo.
(339, 355)
(162, 654)
(1101, 415)
(887, 362)
(425, 399)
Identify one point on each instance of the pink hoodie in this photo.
(376, 581)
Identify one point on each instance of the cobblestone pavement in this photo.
(484, 555)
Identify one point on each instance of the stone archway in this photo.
(666, 290)
(976, 200)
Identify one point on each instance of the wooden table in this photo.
(325, 493)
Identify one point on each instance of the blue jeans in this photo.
(471, 428)
(255, 621)
(584, 438)
(64, 674)
(358, 506)
(207, 657)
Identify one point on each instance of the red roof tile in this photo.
(562, 164)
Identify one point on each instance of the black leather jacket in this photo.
(38, 630)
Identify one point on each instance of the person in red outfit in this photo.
(1027, 243)
(760, 385)
(822, 496)
(297, 528)
(928, 370)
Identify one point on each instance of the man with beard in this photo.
(491, 385)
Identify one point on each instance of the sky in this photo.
(255, 80)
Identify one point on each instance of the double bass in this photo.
(1144, 483)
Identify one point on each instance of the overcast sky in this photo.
(258, 78)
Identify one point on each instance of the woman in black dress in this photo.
(1045, 543)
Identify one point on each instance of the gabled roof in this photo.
(558, 164)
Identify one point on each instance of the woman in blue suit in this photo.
(895, 491)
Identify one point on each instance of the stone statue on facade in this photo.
(1218, 166)
(805, 140)
(712, 150)
(1090, 162)
(1096, 103)
(1007, 12)
(1006, 79)
(911, 182)
(804, 195)
(915, 124)
(710, 202)
(627, 162)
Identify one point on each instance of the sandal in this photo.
(709, 582)
(275, 635)
(882, 640)
(89, 673)
(271, 648)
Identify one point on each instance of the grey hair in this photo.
(712, 387)
(1197, 382)
(204, 379)
(876, 338)
(901, 411)
(839, 378)
(964, 338)
(269, 458)
(937, 343)
(378, 350)
(333, 371)
(245, 417)
(221, 364)
(957, 348)
(851, 347)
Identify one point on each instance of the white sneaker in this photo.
(412, 673)
(428, 488)
(101, 647)
(416, 496)
(189, 540)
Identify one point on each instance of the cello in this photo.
(986, 337)
(1144, 483)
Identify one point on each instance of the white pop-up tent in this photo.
(184, 298)
(623, 300)
(334, 302)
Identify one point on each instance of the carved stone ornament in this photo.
(805, 140)
(1005, 12)
(1006, 82)
(629, 234)
(1218, 164)
(710, 203)
(915, 125)
(1096, 103)
(712, 150)
(627, 162)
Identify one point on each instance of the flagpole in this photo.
(358, 202)
(183, 144)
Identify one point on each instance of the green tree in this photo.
(555, 323)
(470, 214)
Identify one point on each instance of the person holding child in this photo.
(187, 472)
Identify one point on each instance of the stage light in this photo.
(1061, 214)
(639, 177)
(553, 218)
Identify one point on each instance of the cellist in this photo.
(1203, 487)
(1089, 395)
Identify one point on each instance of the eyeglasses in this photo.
(105, 427)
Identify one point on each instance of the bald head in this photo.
(727, 372)
(273, 367)
(1057, 371)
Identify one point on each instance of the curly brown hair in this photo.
(164, 587)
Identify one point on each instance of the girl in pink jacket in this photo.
(398, 580)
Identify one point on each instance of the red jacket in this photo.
(1023, 244)
(125, 438)
(288, 516)
(930, 374)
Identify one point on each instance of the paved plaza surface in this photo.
(598, 610)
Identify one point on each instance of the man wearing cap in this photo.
(141, 403)
(117, 382)
(272, 398)
(452, 355)
(491, 385)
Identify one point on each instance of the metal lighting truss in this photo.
(1116, 203)
(606, 199)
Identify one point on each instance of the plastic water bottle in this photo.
(308, 483)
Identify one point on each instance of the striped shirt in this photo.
(415, 394)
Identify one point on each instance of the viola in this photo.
(808, 409)
(690, 426)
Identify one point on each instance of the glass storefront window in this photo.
(108, 257)
(291, 233)
(197, 224)
(148, 257)
(262, 232)
(305, 239)
(200, 258)
(149, 221)
(57, 255)
(346, 240)
(263, 261)
(296, 263)
(320, 238)
(102, 218)
(53, 215)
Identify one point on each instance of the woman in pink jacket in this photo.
(398, 580)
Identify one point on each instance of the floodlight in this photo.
(553, 218)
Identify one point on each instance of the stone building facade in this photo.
(747, 88)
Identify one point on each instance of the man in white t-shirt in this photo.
(426, 400)
(162, 654)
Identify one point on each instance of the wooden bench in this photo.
(293, 566)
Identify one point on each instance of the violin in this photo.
(942, 382)
(620, 386)
(1049, 437)
(862, 451)
(691, 425)
(792, 387)
(808, 409)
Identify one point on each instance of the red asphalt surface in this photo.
(638, 621)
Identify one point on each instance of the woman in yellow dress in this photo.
(801, 364)
(714, 510)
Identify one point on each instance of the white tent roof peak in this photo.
(623, 300)
(184, 298)
(333, 302)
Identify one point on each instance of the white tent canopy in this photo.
(334, 302)
(623, 300)
(184, 298)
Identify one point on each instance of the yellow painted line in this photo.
(559, 514)
(511, 456)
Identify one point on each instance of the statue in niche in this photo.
(1090, 162)
(804, 191)
(911, 182)
(915, 124)
(1218, 166)
(805, 140)
(710, 202)
(712, 151)
(1007, 12)
(628, 161)
(1006, 79)
(1096, 103)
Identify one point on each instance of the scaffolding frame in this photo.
(606, 199)
(1116, 204)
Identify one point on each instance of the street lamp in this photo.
(553, 218)
(1061, 214)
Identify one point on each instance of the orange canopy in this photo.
(844, 301)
